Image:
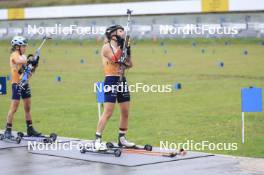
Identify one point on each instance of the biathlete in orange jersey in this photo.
(116, 90)
(17, 60)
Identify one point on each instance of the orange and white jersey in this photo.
(110, 68)
(16, 62)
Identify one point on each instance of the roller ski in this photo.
(33, 135)
(8, 137)
(99, 147)
(124, 144)
(181, 152)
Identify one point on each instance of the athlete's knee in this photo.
(27, 109)
(108, 113)
(14, 106)
(12, 111)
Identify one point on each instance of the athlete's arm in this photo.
(19, 59)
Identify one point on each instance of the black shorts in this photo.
(18, 92)
(116, 90)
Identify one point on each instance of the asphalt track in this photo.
(18, 161)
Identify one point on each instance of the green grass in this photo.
(206, 108)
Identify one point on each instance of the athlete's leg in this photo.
(123, 125)
(124, 111)
(30, 129)
(109, 106)
(10, 116)
(123, 98)
(16, 94)
(12, 110)
(26, 96)
(27, 106)
(108, 111)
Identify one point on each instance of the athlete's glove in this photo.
(120, 41)
(32, 61)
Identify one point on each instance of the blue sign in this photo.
(177, 86)
(100, 92)
(58, 78)
(2, 85)
(251, 99)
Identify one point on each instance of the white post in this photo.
(243, 127)
(99, 111)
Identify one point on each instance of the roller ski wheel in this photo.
(117, 152)
(82, 150)
(53, 137)
(182, 152)
(148, 147)
(18, 140)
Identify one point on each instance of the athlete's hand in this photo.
(33, 62)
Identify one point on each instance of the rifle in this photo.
(124, 55)
(31, 65)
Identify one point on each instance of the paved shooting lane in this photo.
(127, 159)
(19, 161)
